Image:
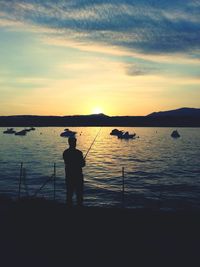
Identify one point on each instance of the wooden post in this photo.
(20, 180)
(54, 182)
(123, 191)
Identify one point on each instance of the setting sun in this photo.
(97, 110)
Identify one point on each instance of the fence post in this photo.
(20, 180)
(54, 181)
(123, 187)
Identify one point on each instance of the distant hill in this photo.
(183, 117)
(186, 112)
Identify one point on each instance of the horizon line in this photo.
(97, 114)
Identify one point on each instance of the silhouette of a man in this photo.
(74, 162)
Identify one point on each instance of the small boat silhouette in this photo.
(116, 132)
(22, 132)
(127, 136)
(67, 133)
(175, 134)
(30, 129)
(9, 131)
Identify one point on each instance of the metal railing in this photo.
(22, 182)
(52, 178)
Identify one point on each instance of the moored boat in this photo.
(127, 136)
(21, 133)
(116, 132)
(67, 133)
(9, 131)
(30, 129)
(175, 134)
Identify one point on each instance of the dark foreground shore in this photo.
(43, 233)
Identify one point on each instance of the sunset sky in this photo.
(119, 57)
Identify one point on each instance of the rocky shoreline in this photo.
(37, 232)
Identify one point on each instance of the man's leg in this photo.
(69, 192)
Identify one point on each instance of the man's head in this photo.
(72, 142)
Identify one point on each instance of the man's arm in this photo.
(65, 156)
(82, 160)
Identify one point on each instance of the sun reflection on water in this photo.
(155, 164)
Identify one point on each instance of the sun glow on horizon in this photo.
(97, 110)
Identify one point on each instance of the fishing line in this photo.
(92, 143)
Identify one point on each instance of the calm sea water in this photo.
(160, 172)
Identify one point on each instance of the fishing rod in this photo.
(53, 175)
(92, 143)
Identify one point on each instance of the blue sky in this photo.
(118, 57)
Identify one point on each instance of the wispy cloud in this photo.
(140, 70)
(154, 27)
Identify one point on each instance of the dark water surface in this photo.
(160, 172)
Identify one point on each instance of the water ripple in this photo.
(159, 171)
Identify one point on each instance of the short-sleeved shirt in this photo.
(74, 162)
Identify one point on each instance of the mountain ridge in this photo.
(185, 111)
(183, 117)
